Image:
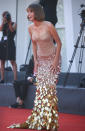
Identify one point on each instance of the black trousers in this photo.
(21, 88)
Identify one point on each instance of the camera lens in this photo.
(7, 16)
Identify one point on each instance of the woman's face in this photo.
(30, 15)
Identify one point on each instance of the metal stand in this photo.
(81, 34)
(25, 66)
(28, 51)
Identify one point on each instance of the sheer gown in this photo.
(45, 111)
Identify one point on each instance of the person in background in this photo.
(0, 65)
(7, 44)
(21, 86)
(46, 63)
(50, 9)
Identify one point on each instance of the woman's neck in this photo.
(37, 23)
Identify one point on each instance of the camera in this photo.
(8, 17)
(82, 14)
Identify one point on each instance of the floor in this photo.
(67, 122)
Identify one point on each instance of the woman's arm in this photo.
(3, 22)
(34, 46)
(12, 27)
(1, 27)
(58, 42)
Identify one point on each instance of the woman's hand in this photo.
(35, 66)
(12, 27)
(4, 20)
(53, 67)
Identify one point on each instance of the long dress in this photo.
(7, 44)
(45, 111)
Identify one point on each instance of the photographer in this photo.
(7, 44)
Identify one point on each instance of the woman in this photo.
(46, 60)
(7, 45)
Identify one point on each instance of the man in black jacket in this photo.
(50, 10)
(21, 86)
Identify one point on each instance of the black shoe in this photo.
(1, 81)
(14, 82)
(17, 105)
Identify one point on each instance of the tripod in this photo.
(25, 66)
(81, 36)
(28, 51)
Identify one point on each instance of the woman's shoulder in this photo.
(30, 26)
(50, 27)
(48, 23)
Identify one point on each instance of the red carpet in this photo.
(67, 122)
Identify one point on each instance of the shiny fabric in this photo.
(45, 111)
